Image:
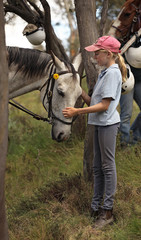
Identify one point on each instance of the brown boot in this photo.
(95, 214)
(105, 218)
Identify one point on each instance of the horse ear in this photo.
(77, 61)
(59, 64)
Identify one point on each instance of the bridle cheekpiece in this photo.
(50, 82)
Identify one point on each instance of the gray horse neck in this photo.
(28, 70)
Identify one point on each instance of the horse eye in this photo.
(60, 92)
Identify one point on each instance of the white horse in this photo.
(31, 70)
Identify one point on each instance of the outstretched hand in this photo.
(69, 112)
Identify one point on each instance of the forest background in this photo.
(47, 197)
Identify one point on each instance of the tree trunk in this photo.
(86, 16)
(3, 125)
(104, 13)
(88, 154)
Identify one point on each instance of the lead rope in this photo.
(22, 108)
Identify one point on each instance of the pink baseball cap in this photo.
(105, 42)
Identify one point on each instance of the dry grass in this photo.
(46, 195)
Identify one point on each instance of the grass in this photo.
(46, 195)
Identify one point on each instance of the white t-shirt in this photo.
(108, 86)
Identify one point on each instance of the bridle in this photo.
(48, 95)
(136, 19)
(50, 82)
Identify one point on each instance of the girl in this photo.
(103, 114)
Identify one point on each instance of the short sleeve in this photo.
(110, 86)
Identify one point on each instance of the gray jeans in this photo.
(105, 178)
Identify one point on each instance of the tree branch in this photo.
(103, 17)
(52, 42)
(47, 26)
(30, 18)
(25, 6)
(36, 8)
(38, 18)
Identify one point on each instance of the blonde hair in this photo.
(122, 66)
(120, 61)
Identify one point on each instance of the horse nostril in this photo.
(59, 138)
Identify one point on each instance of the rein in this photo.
(22, 108)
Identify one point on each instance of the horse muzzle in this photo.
(61, 135)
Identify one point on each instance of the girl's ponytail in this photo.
(122, 66)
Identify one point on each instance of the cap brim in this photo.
(92, 48)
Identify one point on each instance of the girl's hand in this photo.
(69, 112)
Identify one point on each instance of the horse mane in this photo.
(30, 61)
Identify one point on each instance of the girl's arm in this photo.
(86, 97)
(99, 107)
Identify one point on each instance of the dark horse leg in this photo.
(126, 105)
(136, 126)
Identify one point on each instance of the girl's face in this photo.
(103, 58)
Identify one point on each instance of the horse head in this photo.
(57, 81)
(128, 21)
(61, 90)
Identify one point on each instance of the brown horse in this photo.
(128, 21)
